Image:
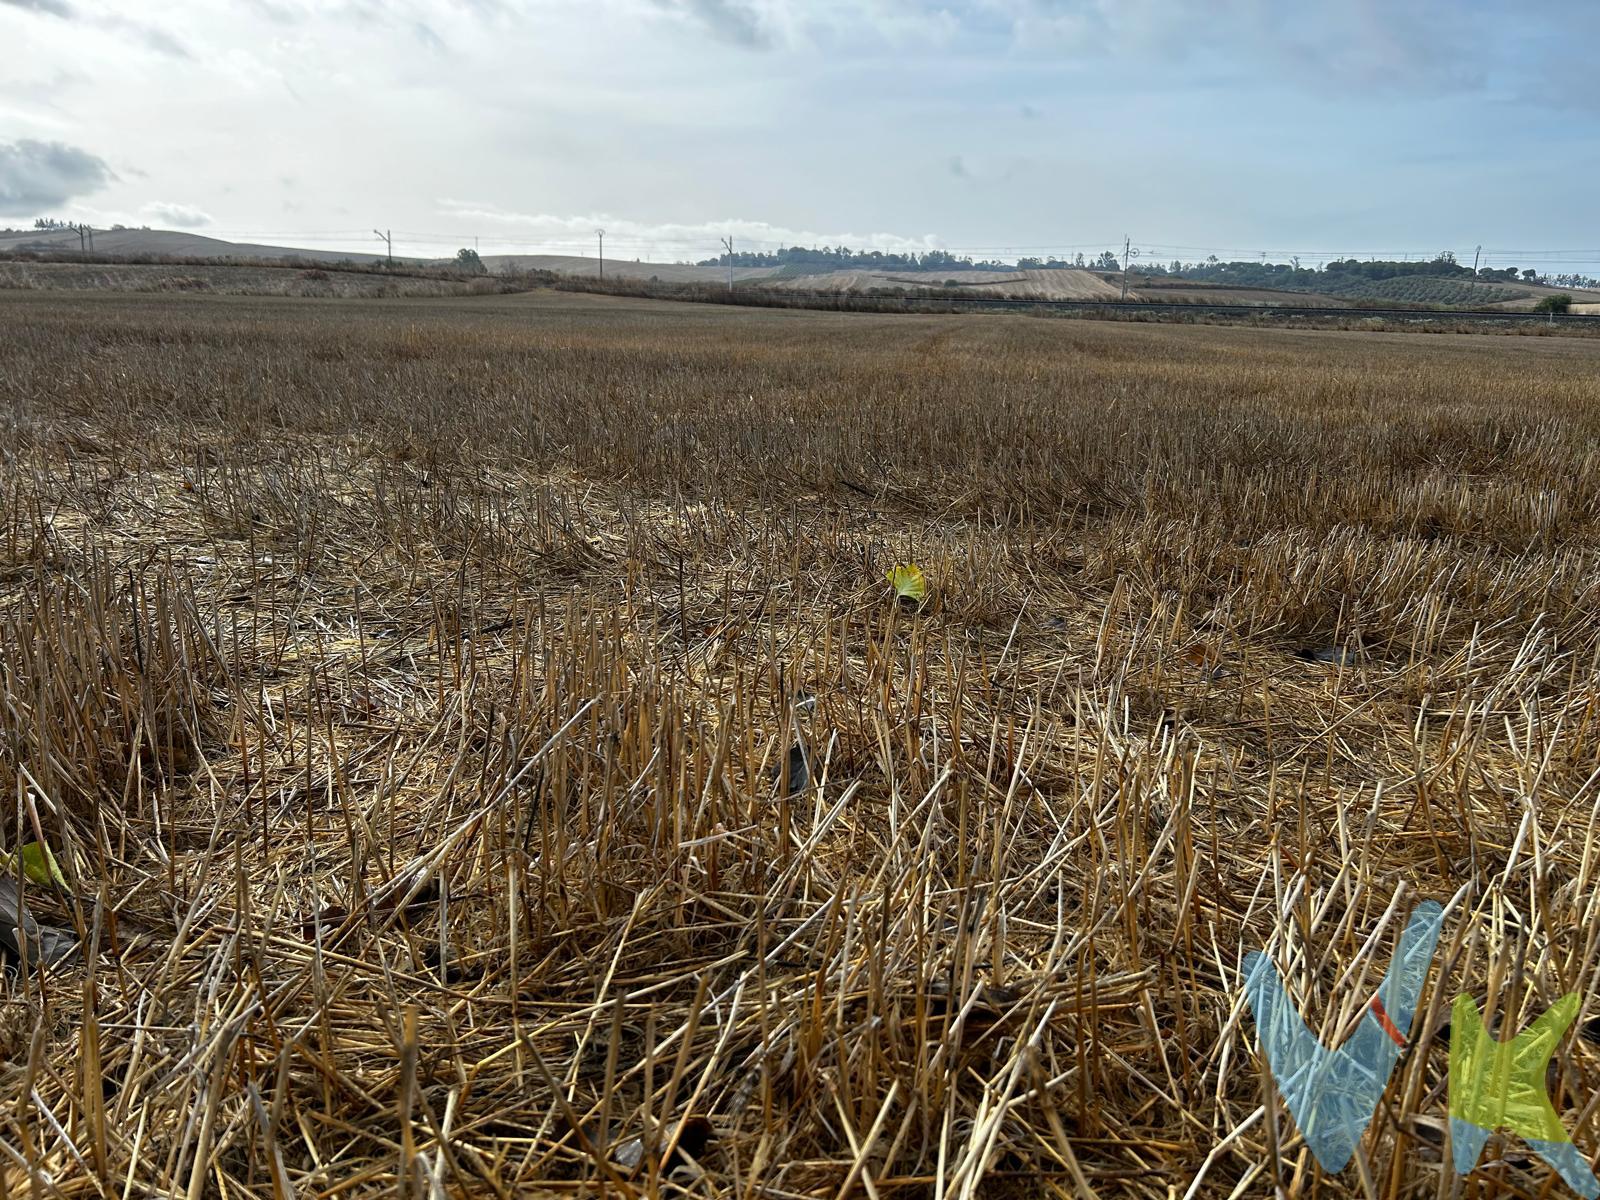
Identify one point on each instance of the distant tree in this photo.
(1077, 260)
(468, 261)
(1554, 304)
(1530, 275)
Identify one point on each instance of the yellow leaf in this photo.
(38, 865)
(908, 582)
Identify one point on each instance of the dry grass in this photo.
(489, 761)
(235, 280)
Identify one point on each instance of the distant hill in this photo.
(1431, 289)
(1047, 284)
(1341, 284)
(569, 264)
(1054, 284)
(1441, 280)
(136, 243)
(166, 243)
(223, 279)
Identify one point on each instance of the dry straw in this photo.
(411, 691)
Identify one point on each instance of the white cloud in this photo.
(1237, 122)
(176, 216)
(730, 20)
(575, 234)
(38, 176)
(54, 8)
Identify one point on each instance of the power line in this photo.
(908, 246)
(699, 247)
(1128, 255)
(697, 242)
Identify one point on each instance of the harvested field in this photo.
(1059, 284)
(167, 242)
(621, 268)
(1583, 299)
(485, 757)
(1182, 291)
(233, 281)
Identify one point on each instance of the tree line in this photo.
(812, 258)
(1291, 275)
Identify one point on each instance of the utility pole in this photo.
(388, 241)
(1129, 253)
(601, 234)
(1475, 254)
(83, 246)
(728, 244)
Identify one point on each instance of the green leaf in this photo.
(38, 865)
(908, 582)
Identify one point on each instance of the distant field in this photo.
(1188, 291)
(1054, 284)
(1050, 285)
(1535, 294)
(153, 242)
(566, 264)
(230, 281)
(480, 741)
(1424, 289)
(1057, 284)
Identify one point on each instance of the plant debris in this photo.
(418, 772)
(23, 939)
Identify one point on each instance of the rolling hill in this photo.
(1067, 284)
(575, 265)
(138, 243)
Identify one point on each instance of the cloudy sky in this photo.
(983, 126)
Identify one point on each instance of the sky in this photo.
(994, 128)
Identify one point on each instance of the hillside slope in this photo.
(169, 243)
(1066, 284)
(576, 265)
(226, 280)
(1059, 284)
